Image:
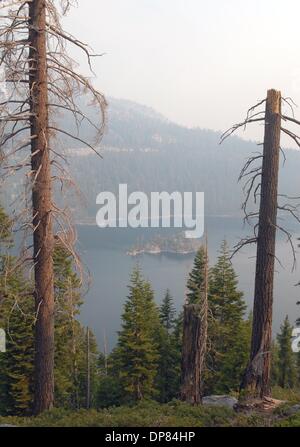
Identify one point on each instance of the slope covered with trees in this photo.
(149, 153)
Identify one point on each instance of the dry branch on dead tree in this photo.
(251, 173)
(39, 79)
(263, 183)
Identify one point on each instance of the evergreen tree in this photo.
(286, 358)
(168, 378)
(167, 312)
(16, 364)
(17, 319)
(109, 391)
(6, 239)
(228, 332)
(70, 337)
(67, 329)
(196, 279)
(136, 354)
(274, 364)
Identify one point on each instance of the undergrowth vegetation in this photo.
(152, 414)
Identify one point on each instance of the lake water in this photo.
(103, 251)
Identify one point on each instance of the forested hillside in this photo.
(149, 153)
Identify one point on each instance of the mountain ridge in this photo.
(151, 153)
(148, 152)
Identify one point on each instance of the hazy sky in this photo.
(200, 63)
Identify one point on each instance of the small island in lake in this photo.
(177, 244)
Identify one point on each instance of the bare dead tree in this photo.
(194, 345)
(40, 81)
(262, 184)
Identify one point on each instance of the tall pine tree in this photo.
(137, 351)
(70, 366)
(167, 312)
(196, 278)
(168, 378)
(229, 333)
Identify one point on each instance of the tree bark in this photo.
(191, 361)
(194, 344)
(42, 203)
(256, 380)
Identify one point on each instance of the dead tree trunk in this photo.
(43, 241)
(195, 345)
(40, 77)
(191, 390)
(256, 380)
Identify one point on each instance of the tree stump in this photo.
(193, 353)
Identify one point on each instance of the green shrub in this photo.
(291, 395)
(153, 414)
(109, 393)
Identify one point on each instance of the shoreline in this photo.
(92, 221)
